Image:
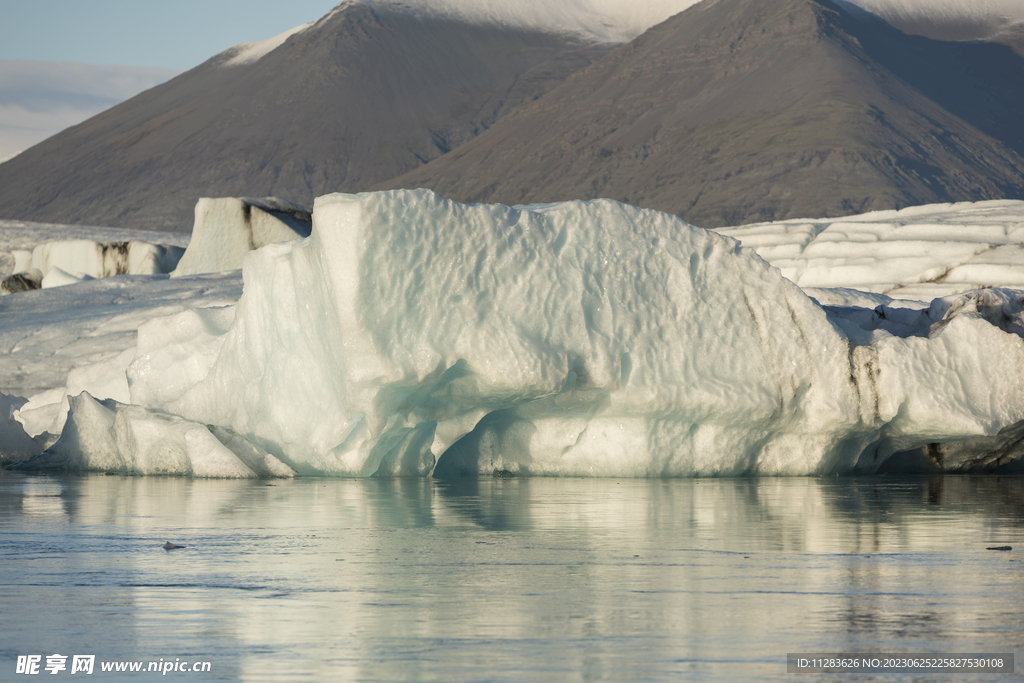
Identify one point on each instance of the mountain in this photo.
(39, 99)
(364, 94)
(728, 112)
(736, 111)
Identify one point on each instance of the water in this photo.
(507, 579)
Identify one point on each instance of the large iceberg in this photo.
(410, 335)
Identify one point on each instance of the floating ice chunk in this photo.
(112, 437)
(88, 259)
(44, 413)
(225, 229)
(927, 376)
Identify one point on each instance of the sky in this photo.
(64, 61)
(175, 35)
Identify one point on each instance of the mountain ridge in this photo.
(731, 111)
(777, 109)
(365, 96)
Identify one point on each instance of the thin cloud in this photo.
(39, 99)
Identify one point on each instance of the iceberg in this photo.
(577, 338)
(226, 228)
(409, 335)
(62, 262)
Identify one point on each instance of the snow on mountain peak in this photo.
(1012, 10)
(947, 19)
(618, 21)
(612, 21)
(247, 53)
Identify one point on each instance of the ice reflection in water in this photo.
(508, 579)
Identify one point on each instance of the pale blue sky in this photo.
(177, 33)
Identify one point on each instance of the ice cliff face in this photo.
(226, 228)
(410, 335)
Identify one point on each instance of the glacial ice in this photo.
(65, 262)
(595, 328)
(112, 437)
(226, 228)
(921, 252)
(409, 336)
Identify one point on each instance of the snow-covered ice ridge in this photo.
(918, 253)
(619, 21)
(410, 336)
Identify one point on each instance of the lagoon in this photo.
(507, 579)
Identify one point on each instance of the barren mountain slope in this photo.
(747, 110)
(361, 96)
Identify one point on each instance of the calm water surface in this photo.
(507, 579)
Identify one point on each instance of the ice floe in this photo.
(55, 264)
(99, 259)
